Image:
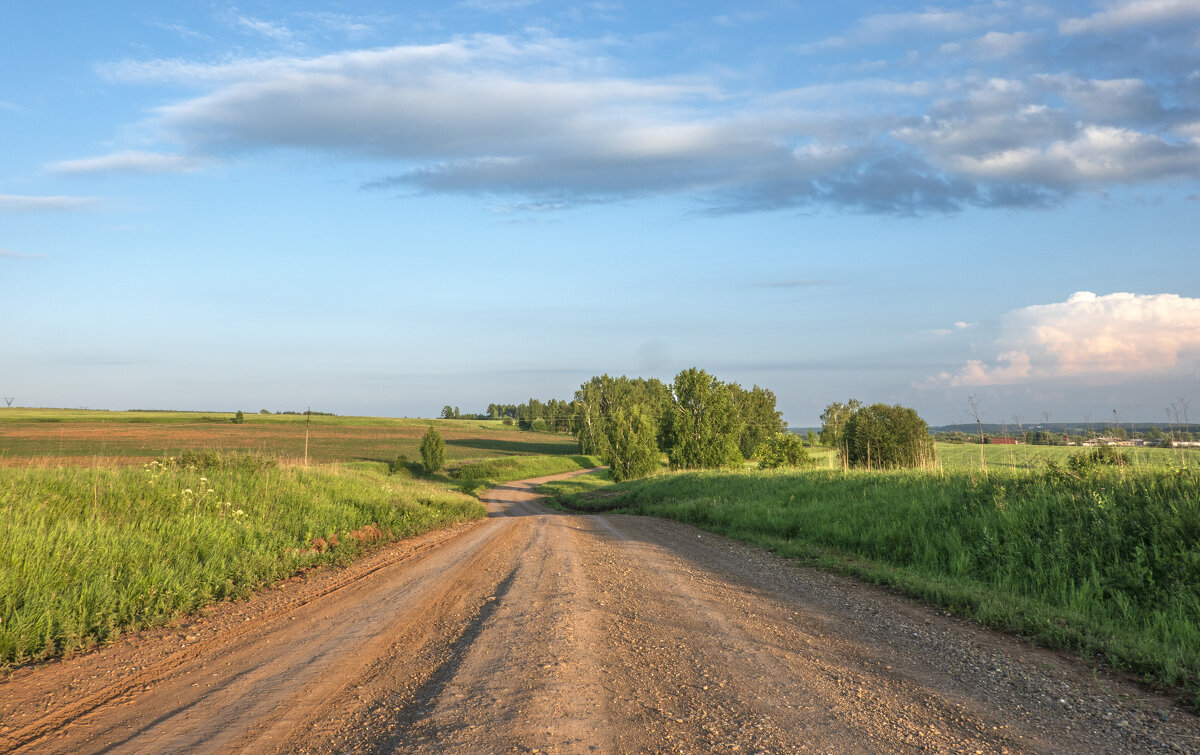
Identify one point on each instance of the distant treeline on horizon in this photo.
(1074, 428)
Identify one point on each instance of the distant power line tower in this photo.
(10, 399)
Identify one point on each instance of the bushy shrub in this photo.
(539, 424)
(1093, 458)
(782, 450)
(402, 467)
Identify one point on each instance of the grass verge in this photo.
(1106, 564)
(485, 474)
(87, 554)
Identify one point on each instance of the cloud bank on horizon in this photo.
(993, 104)
(1092, 339)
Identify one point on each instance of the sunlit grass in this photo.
(87, 554)
(486, 474)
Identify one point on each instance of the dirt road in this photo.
(534, 631)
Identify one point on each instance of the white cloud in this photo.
(958, 326)
(353, 26)
(497, 6)
(542, 121)
(1098, 154)
(1092, 339)
(6, 254)
(1133, 13)
(21, 203)
(992, 46)
(882, 27)
(269, 29)
(128, 162)
(1105, 100)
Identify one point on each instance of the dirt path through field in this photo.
(534, 631)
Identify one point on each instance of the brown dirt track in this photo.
(536, 631)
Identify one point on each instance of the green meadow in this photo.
(968, 456)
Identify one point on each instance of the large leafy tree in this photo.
(631, 449)
(700, 425)
(833, 421)
(760, 419)
(598, 401)
(887, 437)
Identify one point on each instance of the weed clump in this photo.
(1088, 461)
(218, 460)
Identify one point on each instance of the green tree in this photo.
(886, 437)
(239, 418)
(811, 438)
(700, 425)
(597, 401)
(833, 421)
(433, 450)
(760, 418)
(447, 412)
(783, 450)
(631, 449)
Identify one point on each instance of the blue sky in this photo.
(373, 208)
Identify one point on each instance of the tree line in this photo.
(700, 422)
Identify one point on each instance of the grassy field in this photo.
(965, 457)
(486, 474)
(956, 456)
(56, 436)
(1107, 564)
(116, 521)
(88, 553)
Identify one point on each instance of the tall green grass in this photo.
(1107, 563)
(87, 554)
